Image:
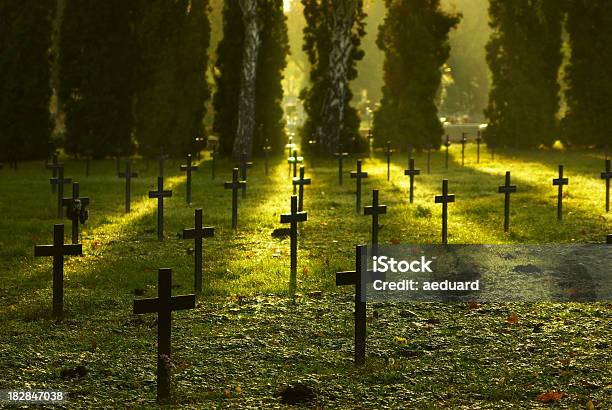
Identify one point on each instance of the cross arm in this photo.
(346, 278)
(182, 302)
(142, 306)
(369, 210)
(297, 217)
(44, 250)
(355, 174)
(561, 181)
(505, 189)
(440, 199)
(73, 249)
(298, 181)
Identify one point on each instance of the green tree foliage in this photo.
(25, 92)
(524, 56)
(272, 60)
(96, 76)
(320, 17)
(589, 73)
(173, 39)
(414, 37)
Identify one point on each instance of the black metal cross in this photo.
(312, 144)
(244, 166)
(412, 173)
(507, 189)
(290, 145)
(447, 144)
(234, 185)
(301, 181)
(58, 250)
(444, 199)
(160, 194)
(478, 141)
(76, 210)
(375, 209)
(560, 182)
(358, 175)
(607, 175)
(128, 175)
(340, 155)
(356, 278)
(463, 142)
(293, 218)
(266, 150)
(188, 168)
(388, 153)
(164, 305)
(293, 161)
(118, 160)
(54, 166)
(409, 150)
(60, 181)
(197, 233)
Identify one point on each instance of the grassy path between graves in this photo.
(245, 338)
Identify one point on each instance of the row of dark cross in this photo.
(165, 303)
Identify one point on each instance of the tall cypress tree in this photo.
(173, 39)
(414, 37)
(272, 60)
(588, 73)
(96, 76)
(524, 56)
(25, 92)
(332, 42)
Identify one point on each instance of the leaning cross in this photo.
(412, 173)
(463, 142)
(388, 153)
(197, 233)
(301, 181)
(358, 175)
(160, 194)
(607, 175)
(444, 199)
(507, 189)
(76, 210)
(54, 166)
(560, 182)
(188, 168)
(293, 218)
(244, 166)
(340, 155)
(357, 278)
(60, 181)
(447, 144)
(234, 185)
(128, 175)
(163, 305)
(58, 250)
(375, 209)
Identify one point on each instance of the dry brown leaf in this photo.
(549, 396)
(512, 319)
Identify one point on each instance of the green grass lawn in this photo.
(246, 337)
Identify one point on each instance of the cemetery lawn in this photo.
(246, 338)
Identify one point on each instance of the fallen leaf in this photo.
(590, 405)
(512, 319)
(472, 304)
(549, 396)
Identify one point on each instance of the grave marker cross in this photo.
(388, 153)
(463, 142)
(375, 209)
(357, 278)
(234, 185)
(293, 161)
(293, 218)
(164, 305)
(301, 181)
(161, 159)
(507, 189)
(412, 173)
(128, 175)
(607, 175)
(244, 166)
(478, 141)
(197, 233)
(560, 182)
(358, 175)
(340, 155)
(75, 210)
(188, 168)
(54, 166)
(447, 144)
(444, 199)
(160, 194)
(60, 181)
(58, 250)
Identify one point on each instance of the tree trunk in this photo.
(332, 110)
(246, 104)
